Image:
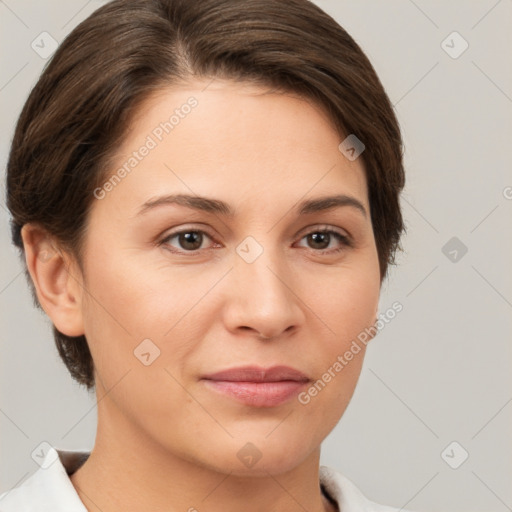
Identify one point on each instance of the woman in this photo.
(206, 195)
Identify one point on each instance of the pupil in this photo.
(321, 238)
(191, 240)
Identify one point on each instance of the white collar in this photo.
(50, 489)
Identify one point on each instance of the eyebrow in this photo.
(217, 206)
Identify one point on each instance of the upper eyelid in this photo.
(187, 230)
(308, 229)
(324, 227)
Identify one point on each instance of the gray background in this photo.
(441, 370)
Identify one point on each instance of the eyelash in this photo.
(344, 240)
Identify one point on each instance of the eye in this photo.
(188, 240)
(320, 240)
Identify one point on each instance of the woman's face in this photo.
(259, 286)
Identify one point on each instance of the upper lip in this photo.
(258, 374)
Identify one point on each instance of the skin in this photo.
(165, 441)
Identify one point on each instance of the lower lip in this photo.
(258, 394)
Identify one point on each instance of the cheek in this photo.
(125, 294)
(132, 309)
(120, 308)
(347, 303)
(348, 309)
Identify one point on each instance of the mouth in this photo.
(256, 386)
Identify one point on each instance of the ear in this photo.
(57, 280)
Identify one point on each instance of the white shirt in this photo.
(50, 489)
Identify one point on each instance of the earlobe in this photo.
(56, 278)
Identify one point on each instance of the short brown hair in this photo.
(77, 113)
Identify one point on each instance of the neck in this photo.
(127, 471)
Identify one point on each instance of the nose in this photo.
(263, 297)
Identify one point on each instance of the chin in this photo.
(258, 456)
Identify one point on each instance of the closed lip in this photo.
(258, 374)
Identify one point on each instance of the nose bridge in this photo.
(256, 266)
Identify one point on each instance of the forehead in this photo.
(235, 140)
